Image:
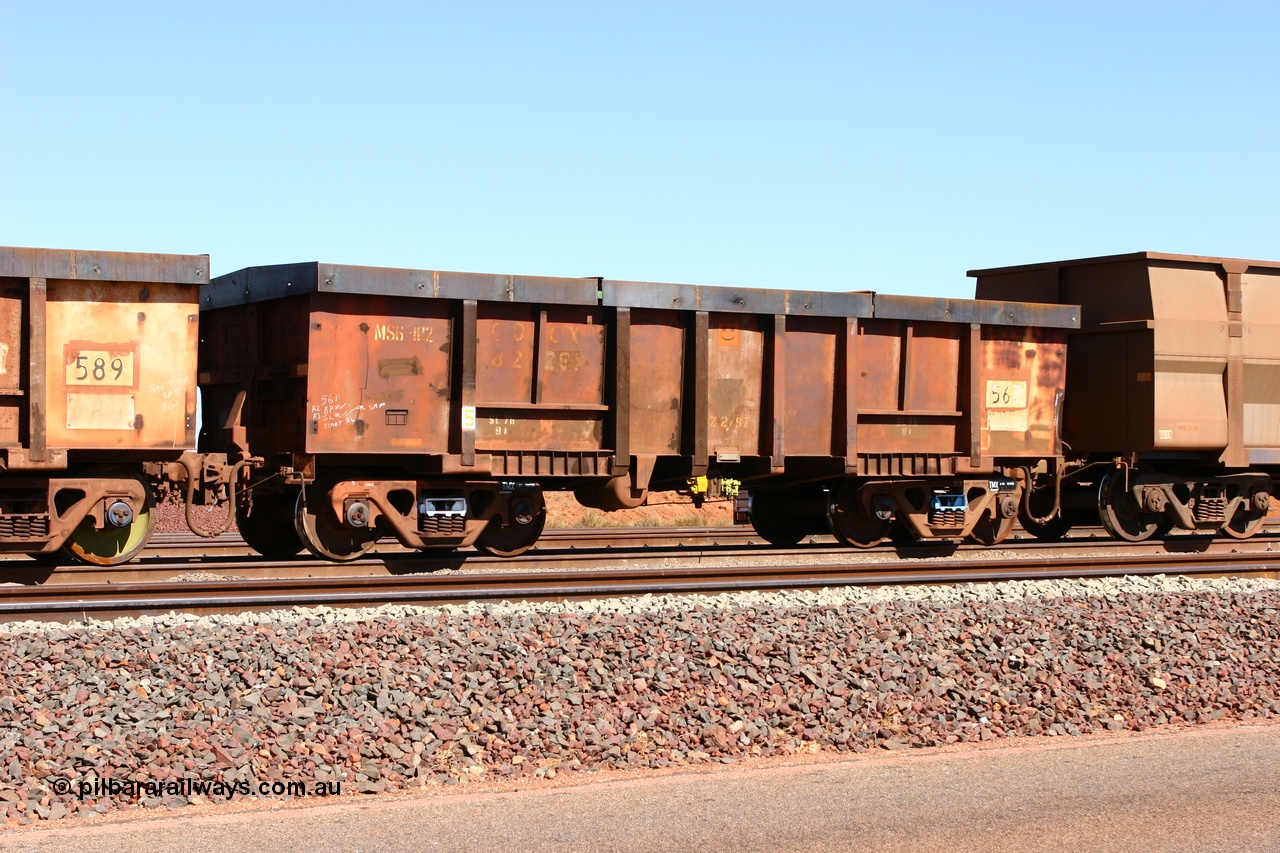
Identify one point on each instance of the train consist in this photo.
(342, 404)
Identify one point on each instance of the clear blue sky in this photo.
(885, 146)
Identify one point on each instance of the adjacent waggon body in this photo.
(437, 406)
(97, 395)
(1173, 401)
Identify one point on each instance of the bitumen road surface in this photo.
(1208, 789)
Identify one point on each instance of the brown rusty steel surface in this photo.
(11, 350)
(121, 364)
(374, 371)
(1022, 381)
(555, 375)
(79, 601)
(37, 396)
(378, 374)
(109, 347)
(657, 358)
(540, 377)
(909, 387)
(735, 384)
(810, 414)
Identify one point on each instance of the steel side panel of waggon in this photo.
(955, 377)
(731, 373)
(364, 360)
(119, 333)
(1181, 351)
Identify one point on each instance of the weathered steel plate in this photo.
(259, 284)
(692, 297)
(987, 312)
(103, 266)
(121, 364)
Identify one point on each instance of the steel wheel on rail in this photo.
(322, 533)
(267, 526)
(850, 523)
(114, 545)
(1121, 515)
(991, 529)
(774, 521)
(1245, 521)
(528, 518)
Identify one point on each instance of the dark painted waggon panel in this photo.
(1176, 374)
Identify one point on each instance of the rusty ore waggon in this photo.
(97, 397)
(1173, 399)
(436, 407)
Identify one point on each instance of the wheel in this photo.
(322, 533)
(991, 530)
(849, 521)
(267, 526)
(775, 523)
(114, 545)
(1121, 516)
(1244, 522)
(513, 539)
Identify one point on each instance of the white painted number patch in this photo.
(100, 367)
(1006, 395)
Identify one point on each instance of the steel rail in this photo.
(103, 601)
(680, 543)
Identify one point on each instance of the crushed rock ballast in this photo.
(402, 698)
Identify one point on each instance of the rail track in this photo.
(233, 583)
(183, 556)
